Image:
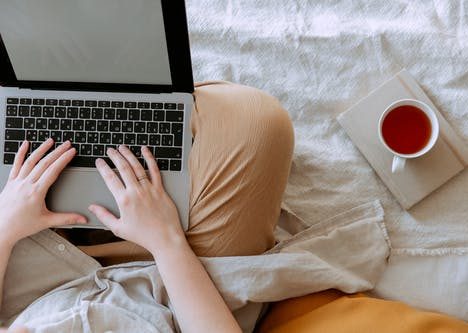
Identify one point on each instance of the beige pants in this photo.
(239, 165)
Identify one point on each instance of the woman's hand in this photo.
(23, 211)
(148, 217)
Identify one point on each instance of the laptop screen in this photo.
(88, 41)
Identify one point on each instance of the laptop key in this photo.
(158, 115)
(117, 104)
(31, 135)
(175, 165)
(25, 101)
(90, 125)
(91, 103)
(96, 113)
(121, 114)
(64, 102)
(177, 116)
(77, 103)
(78, 125)
(146, 115)
(38, 101)
(68, 136)
(163, 164)
(43, 135)
(157, 105)
(36, 111)
(143, 105)
(65, 124)
(93, 137)
(140, 127)
(136, 150)
(54, 124)
(24, 111)
(127, 126)
(109, 114)
(168, 152)
(98, 150)
(102, 125)
(115, 126)
(170, 106)
(152, 127)
(167, 140)
(134, 114)
(11, 122)
(35, 145)
(48, 111)
(80, 137)
(104, 104)
(12, 110)
(180, 107)
(117, 138)
(142, 139)
(85, 113)
(60, 112)
(105, 138)
(8, 158)
(16, 135)
(155, 140)
(72, 112)
(11, 146)
(130, 105)
(178, 140)
(56, 135)
(52, 102)
(83, 161)
(12, 100)
(29, 123)
(164, 128)
(130, 139)
(41, 123)
(86, 149)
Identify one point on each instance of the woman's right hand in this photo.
(148, 216)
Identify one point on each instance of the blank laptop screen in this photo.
(102, 41)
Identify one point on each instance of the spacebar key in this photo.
(83, 161)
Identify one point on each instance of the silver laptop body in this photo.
(78, 186)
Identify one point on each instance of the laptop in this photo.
(100, 74)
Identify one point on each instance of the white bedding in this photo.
(320, 57)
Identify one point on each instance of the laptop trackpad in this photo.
(75, 190)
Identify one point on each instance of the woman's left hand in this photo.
(23, 211)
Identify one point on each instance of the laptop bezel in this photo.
(175, 25)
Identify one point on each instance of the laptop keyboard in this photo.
(94, 126)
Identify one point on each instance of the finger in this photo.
(51, 174)
(132, 160)
(113, 182)
(35, 157)
(152, 166)
(19, 159)
(43, 164)
(124, 168)
(61, 219)
(106, 217)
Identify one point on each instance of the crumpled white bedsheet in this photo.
(319, 58)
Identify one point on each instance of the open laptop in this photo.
(100, 74)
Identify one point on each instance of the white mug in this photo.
(399, 160)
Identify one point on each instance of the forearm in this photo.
(197, 303)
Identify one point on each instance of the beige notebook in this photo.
(421, 175)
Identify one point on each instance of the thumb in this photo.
(59, 219)
(103, 215)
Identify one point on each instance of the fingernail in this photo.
(145, 148)
(99, 161)
(91, 207)
(81, 220)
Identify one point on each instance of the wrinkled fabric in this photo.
(347, 252)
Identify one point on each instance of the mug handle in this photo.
(398, 164)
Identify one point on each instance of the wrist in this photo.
(169, 240)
